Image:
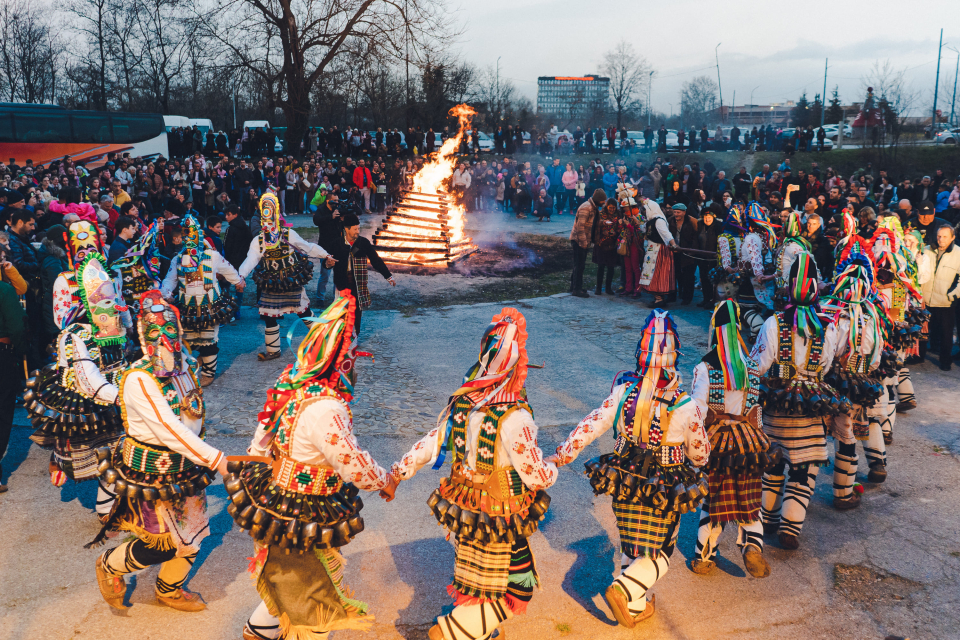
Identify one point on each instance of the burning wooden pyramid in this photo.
(425, 227)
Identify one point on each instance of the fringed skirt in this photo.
(734, 492)
(803, 438)
(280, 303)
(491, 571)
(306, 592)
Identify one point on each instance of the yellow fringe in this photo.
(268, 601)
(325, 624)
(158, 541)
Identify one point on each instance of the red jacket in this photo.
(358, 177)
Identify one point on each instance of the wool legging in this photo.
(905, 391)
(844, 469)
(638, 576)
(474, 621)
(271, 329)
(264, 626)
(708, 534)
(106, 496)
(786, 506)
(136, 555)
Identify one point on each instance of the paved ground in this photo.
(891, 567)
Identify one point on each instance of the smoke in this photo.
(500, 251)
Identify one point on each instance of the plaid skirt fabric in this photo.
(482, 571)
(644, 531)
(734, 498)
(77, 457)
(803, 437)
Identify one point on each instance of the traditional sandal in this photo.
(270, 355)
(112, 588)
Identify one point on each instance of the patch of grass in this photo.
(563, 628)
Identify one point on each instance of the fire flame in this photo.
(418, 215)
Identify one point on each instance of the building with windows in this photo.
(573, 97)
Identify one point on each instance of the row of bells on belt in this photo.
(745, 463)
(905, 334)
(290, 534)
(75, 415)
(917, 316)
(125, 488)
(206, 319)
(286, 283)
(623, 485)
(858, 388)
(802, 398)
(484, 528)
(890, 364)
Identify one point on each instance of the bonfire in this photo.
(425, 228)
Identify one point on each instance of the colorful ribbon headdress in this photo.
(729, 346)
(803, 309)
(499, 374)
(320, 359)
(146, 250)
(758, 220)
(657, 352)
(852, 292)
(734, 224)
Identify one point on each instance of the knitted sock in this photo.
(796, 498)
(262, 625)
(844, 469)
(133, 556)
(639, 577)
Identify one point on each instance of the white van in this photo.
(172, 122)
(204, 124)
(256, 124)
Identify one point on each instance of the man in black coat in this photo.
(236, 244)
(685, 232)
(329, 221)
(350, 272)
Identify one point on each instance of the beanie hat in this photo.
(599, 197)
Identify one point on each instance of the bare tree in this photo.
(627, 71)
(698, 96)
(165, 36)
(30, 52)
(289, 44)
(93, 24)
(895, 100)
(122, 48)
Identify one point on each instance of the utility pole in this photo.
(406, 40)
(649, 93)
(953, 102)
(716, 53)
(823, 97)
(936, 88)
(498, 88)
(234, 104)
(733, 109)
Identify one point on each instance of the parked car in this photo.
(833, 131)
(949, 136)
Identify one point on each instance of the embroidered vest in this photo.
(731, 242)
(668, 453)
(135, 281)
(785, 368)
(717, 392)
(190, 297)
(289, 473)
(281, 256)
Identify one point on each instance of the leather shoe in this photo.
(789, 541)
(702, 567)
(580, 294)
(755, 563)
(888, 438)
(182, 600)
(850, 502)
(112, 588)
(878, 473)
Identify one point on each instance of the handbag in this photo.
(623, 244)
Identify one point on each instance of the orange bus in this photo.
(45, 132)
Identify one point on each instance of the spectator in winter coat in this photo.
(941, 291)
(542, 206)
(52, 256)
(581, 237)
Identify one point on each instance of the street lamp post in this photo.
(716, 53)
(953, 102)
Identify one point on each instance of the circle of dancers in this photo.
(122, 402)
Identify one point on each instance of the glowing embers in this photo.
(423, 229)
